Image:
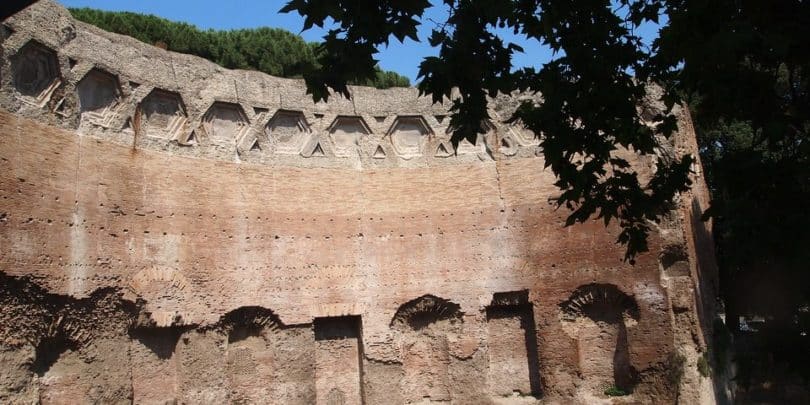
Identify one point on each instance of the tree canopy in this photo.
(590, 97)
(741, 66)
(271, 50)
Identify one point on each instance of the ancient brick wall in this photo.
(172, 230)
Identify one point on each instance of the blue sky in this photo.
(403, 58)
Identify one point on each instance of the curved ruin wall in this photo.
(218, 236)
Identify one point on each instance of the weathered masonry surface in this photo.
(174, 231)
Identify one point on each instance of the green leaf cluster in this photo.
(591, 91)
(703, 366)
(348, 52)
(614, 391)
(746, 77)
(270, 50)
(741, 66)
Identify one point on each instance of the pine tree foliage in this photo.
(270, 50)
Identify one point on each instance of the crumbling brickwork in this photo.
(174, 231)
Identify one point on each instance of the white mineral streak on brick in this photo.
(78, 264)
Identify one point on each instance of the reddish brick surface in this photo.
(174, 231)
(200, 238)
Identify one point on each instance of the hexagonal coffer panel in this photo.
(521, 134)
(466, 147)
(99, 93)
(346, 133)
(163, 114)
(409, 136)
(288, 131)
(36, 71)
(225, 123)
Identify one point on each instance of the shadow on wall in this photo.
(161, 341)
(250, 354)
(423, 325)
(48, 352)
(598, 316)
(338, 360)
(430, 330)
(514, 366)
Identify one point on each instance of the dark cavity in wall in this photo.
(338, 360)
(513, 356)
(48, 352)
(245, 322)
(161, 341)
(424, 311)
(624, 375)
(610, 312)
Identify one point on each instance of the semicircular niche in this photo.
(424, 325)
(164, 291)
(251, 358)
(597, 316)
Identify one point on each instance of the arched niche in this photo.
(49, 351)
(423, 326)
(250, 356)
(598, 316)
(202, 375)
(80, 365)
(154, 364)
(164, 290)
(512, 353)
